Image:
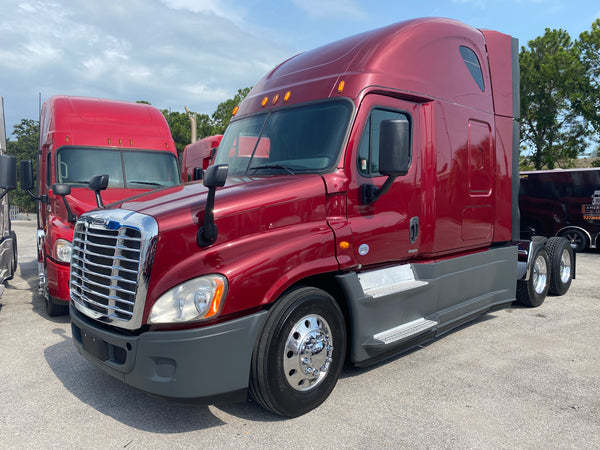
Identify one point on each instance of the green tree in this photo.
(179, 123)
(224, 111)
(555, 112)
(25, 147)
(589, 45)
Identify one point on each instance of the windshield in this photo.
(135, 169)
(303, 139)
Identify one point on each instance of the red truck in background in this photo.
(562, 203)
(363, 201)
(82, 137)
(198, 155)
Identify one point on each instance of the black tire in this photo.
(300, 352)
(533, 291)
(560, 254)
(53, 309)
(15, 260)
(577, 239)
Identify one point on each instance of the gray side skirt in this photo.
(396, 308)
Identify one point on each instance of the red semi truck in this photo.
(363, 201)
(82, 137)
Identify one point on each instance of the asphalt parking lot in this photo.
(516, 378)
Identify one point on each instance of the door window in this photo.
(368, 149)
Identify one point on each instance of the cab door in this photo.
(390, 228)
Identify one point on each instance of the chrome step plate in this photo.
(405, 331)
(379, 283)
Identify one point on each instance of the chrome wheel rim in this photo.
(308, 353)
(565, 266)
(540, 274)
(575, 239)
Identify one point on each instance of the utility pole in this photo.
(192, 117)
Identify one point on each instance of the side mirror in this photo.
(98, 183)
(214, 177)
(8, 172)
(394, 156)
(63, 190)
(26, 175)
(394, 147)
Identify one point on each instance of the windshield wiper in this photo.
(272, 166)
(149, 183)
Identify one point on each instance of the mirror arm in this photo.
(70, 216)
(42, 198)
(207, 233)
(99, 201)
(370, 193)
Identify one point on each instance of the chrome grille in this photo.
(110, 265)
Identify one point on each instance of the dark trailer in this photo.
(562, 203)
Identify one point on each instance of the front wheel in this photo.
(52, 309)
(300, 353)
(532, 292)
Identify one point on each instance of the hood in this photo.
(179, 206)
(82, 200)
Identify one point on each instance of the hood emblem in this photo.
(96, 222)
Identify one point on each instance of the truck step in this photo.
(379, 283)
(402, 332)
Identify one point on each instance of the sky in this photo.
(198, 53)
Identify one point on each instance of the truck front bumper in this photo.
(58, 281)
(204, 365)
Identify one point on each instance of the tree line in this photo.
(560, 98)
(560, 107)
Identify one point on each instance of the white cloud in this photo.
(185, 53)
(216, 7)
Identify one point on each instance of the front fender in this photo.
(258, 267)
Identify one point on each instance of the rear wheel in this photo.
(577, 239)
(299, 355)
(532, 292)
(561, 259)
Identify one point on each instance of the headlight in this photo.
(62, 250)
(193, 300)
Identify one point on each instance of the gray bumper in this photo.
(202, 364)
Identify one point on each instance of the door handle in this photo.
(413, 232)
